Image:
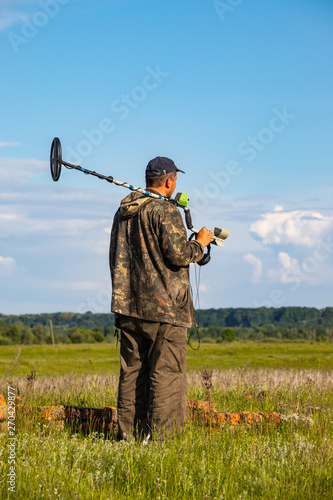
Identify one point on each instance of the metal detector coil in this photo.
(55, 159)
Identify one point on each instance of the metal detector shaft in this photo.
(112, 180)
(180, 200)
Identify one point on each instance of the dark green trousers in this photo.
(152, 384)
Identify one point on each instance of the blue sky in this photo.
(238, 93)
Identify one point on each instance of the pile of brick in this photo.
(105, 419)
(206, 413)
(85, 419)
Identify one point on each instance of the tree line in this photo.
(215, 325)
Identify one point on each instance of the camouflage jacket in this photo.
(149, 262)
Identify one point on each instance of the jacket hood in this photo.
(131, 205)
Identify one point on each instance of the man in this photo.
(151, 299)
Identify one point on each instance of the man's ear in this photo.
(168, 182)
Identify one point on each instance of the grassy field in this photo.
(104, 358)
(293, 461)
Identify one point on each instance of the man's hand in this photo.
(204, 236)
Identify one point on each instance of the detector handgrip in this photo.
(188, 219)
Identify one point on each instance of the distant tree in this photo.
(41, 333)
(76, 337)
(291, 323)
(80, 335)
(27, 337)
(98, 336)
(228, 335)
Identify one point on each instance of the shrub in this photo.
(76, 338)
(5, 341)
(98, 337)
(228, 335)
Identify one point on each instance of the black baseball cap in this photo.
(161, 166)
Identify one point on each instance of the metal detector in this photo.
(180, 199)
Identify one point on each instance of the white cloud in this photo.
(15, 171)
(256, 264)
(287, 271)
(20, 11)
(7, 265)
(16, 12)
(91, 286)
(314, 269)
(19, 222)
(22, 3)
(29, 204)
(203, 288)
(9, 18)
(298, 227)
(58, 235)
(8, 144)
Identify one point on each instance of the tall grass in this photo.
(292, 461)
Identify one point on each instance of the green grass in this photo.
(291, 462)
(262, 355)
(104, 358)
